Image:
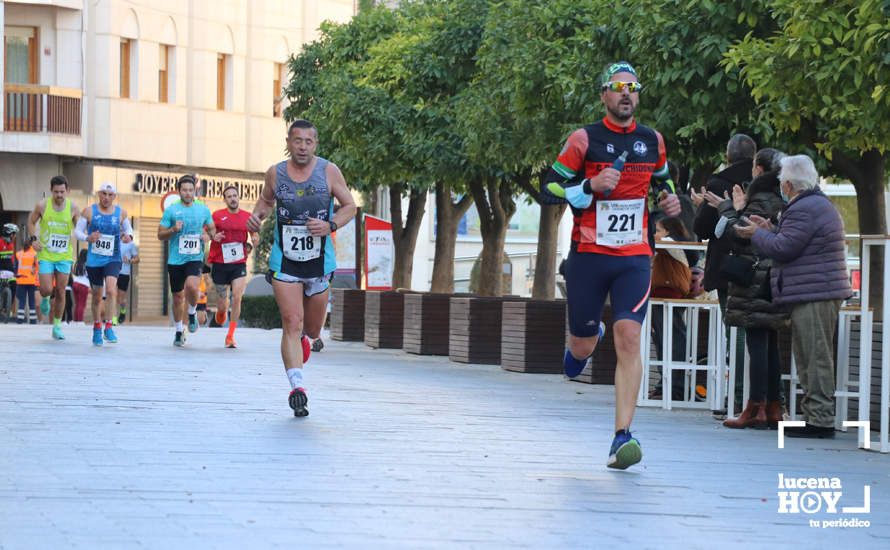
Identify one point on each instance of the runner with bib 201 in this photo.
(301, 191)
(604, 172)
(187, 225)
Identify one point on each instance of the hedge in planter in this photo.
(260, 312)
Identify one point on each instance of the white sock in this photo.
(178, 326)
(193, 309)
(296, 378)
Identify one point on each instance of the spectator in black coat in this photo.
(739, 157)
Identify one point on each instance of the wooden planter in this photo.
(426, 323)
(384, 319)
(533, 336)
(475, 329)
(347, 314)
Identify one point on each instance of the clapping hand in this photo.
(762, 223)
(738, 197)
(714, 199)
(697, 198)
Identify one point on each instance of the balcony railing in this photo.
(30, 108)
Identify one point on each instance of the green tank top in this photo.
(55, 234)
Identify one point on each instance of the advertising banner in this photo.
(380, 253)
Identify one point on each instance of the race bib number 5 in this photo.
(190, 244)
(104, 246)
(232, 252)
(298, 244)
(620, 222)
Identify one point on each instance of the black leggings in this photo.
(764, 371)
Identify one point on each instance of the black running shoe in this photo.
(299, 402)
(179, 339)
(317, 345)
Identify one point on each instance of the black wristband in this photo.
(333, 225)
(585, 186)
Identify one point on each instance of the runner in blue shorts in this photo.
(105, 226)
(604, 172)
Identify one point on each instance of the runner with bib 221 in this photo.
(604, 172)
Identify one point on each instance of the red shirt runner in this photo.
(234, 228)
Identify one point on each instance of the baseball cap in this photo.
(108, 187)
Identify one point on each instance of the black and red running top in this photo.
(623, 215)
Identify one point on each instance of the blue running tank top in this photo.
(108, 248)
(296, 252)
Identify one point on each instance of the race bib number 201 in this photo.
(190, 244)
(619, 222)
(298, 244)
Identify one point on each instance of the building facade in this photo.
(139, 92)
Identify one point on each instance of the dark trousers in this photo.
(722, 297)
(764, 369)
(25, 296)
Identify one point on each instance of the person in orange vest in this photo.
(26, 282)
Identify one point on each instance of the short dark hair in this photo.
(769, 159)
(187, 178)
(58, 180)
(740, 147)
(301, 123)
(231, 186)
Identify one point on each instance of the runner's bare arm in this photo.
(265, 203)
(33, 220)
(340, 192)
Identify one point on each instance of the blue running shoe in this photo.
(110, 336)
(97, 336)
(193, 322)
(57, 333)
(625, 451)
(573, 367)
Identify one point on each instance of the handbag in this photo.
(738, 270)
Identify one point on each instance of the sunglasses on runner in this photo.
(618, 86)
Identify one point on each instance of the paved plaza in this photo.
(142, 445)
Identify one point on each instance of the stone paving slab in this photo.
(142, 445)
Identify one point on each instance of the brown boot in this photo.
(754, 416)
(775, 413)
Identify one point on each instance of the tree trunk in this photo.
(448, 215)
(405, 236)
(868, 176)
(544, 286)
(495, 205)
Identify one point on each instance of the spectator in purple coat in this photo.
(809, 273)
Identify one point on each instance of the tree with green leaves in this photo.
(334, 84)
(823, 77)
